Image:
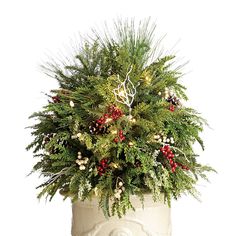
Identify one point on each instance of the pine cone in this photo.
(96, 128)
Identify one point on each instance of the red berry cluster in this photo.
(103, 120)
(184, 167)
(99, 126)
(120, 137)
(114, 112)
(56, 99)
(102, 167)
(172, 107)
(170, 155)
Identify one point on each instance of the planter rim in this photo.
(135, 200)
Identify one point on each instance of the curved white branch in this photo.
(126, 91)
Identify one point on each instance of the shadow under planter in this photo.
(153, 220)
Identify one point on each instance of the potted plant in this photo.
(115, 134)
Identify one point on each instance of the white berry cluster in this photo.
(162, 138)
(119, 189)
(168, 92)
(82, 161)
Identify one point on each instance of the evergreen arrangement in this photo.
(116, 126)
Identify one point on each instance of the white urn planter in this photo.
(153, 220)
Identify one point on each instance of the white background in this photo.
(29, 30)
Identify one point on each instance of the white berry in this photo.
(72, 104)
(82, 167)
(117, 195)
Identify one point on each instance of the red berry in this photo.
(161, 149)
(169, 156)
(173, 169)
(116, 140)
(185, 167)
(168, 150)
(172, 108)
(171, 162)
(100, 121)
(166, 147)
(56, 99)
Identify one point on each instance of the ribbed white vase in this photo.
(153, 220)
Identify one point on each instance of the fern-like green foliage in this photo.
(70, 155)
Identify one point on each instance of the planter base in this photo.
(153, 220)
